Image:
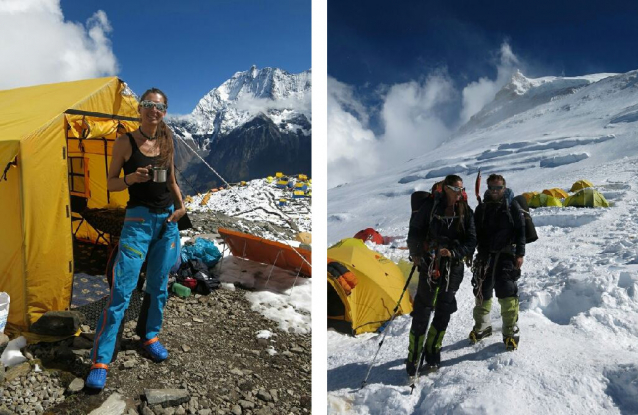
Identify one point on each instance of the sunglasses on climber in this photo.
(495, 188)
(160, 106)
(455, 189)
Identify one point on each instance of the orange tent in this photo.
(267, 252)
(556, 192)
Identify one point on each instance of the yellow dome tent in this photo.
(556, 192)
(372, 300)
(529, 195)
(581, 184)
(588, 197)
(55, 142)
(543, 200)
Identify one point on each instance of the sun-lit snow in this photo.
(579, 289)
(278, 294)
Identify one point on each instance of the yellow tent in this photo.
(529, 195)
(55, 141)
(581, 184)
(372, 301)
(588, 197)
(542, 200)
(556, 192)
(304, 237)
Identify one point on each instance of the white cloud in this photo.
(411, 120)
(351, 144)
(408, 113)
(39, 46)
(411, 114)
(479, 93)
(256, 105)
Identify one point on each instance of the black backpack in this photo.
(530, 229)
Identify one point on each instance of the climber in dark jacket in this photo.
(500, 229)
(441, 234)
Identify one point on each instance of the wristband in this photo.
(127, 185)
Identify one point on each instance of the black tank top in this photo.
(150, 194)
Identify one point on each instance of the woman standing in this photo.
(441, 234)
(150, 230)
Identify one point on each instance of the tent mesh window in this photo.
(78, 176)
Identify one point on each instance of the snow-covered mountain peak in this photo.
(278, 94)
(521, 94)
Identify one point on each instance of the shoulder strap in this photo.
(133, 143)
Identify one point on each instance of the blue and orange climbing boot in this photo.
(97, 376)
(155, 349)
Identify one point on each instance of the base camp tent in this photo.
(55, 142)
(528, 195)
(581, 184)
(542, 200)
(556, 192)
(369, 234)
(588, 197)
(378, 284)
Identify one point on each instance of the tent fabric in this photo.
(556, 192)
(380, 283)
(369, 234)
(543, 200)
(267, 252)
(304, 238)
(529, 195)
(588, 197)
(36, 254)
(581, 184)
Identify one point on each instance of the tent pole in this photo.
(221, 262)
(294, 283)
(272, 268)
(106, 166)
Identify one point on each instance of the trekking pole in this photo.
(477, 186)
(394, 314)
(415, 377)
(430, 318)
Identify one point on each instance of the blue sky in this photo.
(370, 42)
(404, 75)
(185, 48)
(373, 42)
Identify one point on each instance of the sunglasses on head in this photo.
(455, 189)
(160, 106)
(494, 187)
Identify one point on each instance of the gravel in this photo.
(215, 359)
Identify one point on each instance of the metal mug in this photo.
(159, 174)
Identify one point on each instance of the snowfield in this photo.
(578, 293)
(258, 201)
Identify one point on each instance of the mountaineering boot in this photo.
(482, 325)
(97, 376)
(433, 349)
(414, 352)
(511, 342)
(509, 313)
(478, 335)
(155, 349)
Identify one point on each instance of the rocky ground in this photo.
(217, 365)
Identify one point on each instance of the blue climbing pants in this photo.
(145, 234)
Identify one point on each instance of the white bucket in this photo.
(4, 310)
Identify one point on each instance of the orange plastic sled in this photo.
(267, 252)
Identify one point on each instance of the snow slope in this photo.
(579, 290)
(258, 201)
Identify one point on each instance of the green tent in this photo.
(581, 184)
(588, 197)
(542, 200)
